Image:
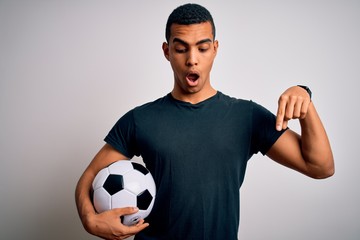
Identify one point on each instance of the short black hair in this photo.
(188, 14)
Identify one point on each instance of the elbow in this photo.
(331, 171)
(323, 172)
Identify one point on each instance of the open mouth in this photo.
(192, 77)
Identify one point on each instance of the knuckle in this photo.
(287, 117)
(296, 115)
(289, 114)
(302, 115)
(293, 98)
(283, 98)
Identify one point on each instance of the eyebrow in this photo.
(206, 40)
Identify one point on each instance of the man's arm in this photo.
(106, 225)
(309, 153)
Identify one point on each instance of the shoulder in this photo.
(153, 104)
(237, 102)
(247, 108)
(230, 99)
(152, 110)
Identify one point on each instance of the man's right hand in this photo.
(107, 225)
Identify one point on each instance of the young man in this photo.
(196, 142)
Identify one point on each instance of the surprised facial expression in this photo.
(191, 51)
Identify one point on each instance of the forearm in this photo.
(103, 158)
(315, 145)
(83, 201)
(106, 224)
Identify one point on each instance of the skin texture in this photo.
(191, 49)
(191, 52)
(106, 225)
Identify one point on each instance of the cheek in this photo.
(208, 63)
(176, 63)
(176, 69)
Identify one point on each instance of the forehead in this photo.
(191, 33)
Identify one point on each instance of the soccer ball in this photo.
(124, 184)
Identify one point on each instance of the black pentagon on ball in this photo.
(114, 183)
(144, 199)
(140, 168)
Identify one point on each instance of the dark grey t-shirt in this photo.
(197, 154)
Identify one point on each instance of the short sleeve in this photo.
(122, 136)
(264, 134)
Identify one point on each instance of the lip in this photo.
(193, 72)
(191, 75)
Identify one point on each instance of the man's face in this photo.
(191, 51)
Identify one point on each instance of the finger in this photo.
(290, 108)
(141, 221)
(141, 225)
(280, 113)
(298, 109)
(304, 109)
(285, 124)
(125, 211)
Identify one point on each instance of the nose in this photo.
(192, 58)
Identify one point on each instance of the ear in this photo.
(165, 48)
(216, 45)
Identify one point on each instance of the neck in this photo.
(193, 98)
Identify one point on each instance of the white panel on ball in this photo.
(121, 167)
(102, 201)
(100, 178)
(123, 199)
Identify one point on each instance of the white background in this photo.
(70, 69)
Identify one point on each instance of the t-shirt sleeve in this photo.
(122, 136)
(264, 133)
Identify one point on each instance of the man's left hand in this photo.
(292, 104)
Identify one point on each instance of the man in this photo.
(196, 141)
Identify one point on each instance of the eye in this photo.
(203, 49)
(180, 50)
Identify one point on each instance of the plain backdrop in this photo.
(69, 69)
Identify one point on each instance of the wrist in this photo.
(87, 221)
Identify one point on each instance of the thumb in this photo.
(126, 210)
